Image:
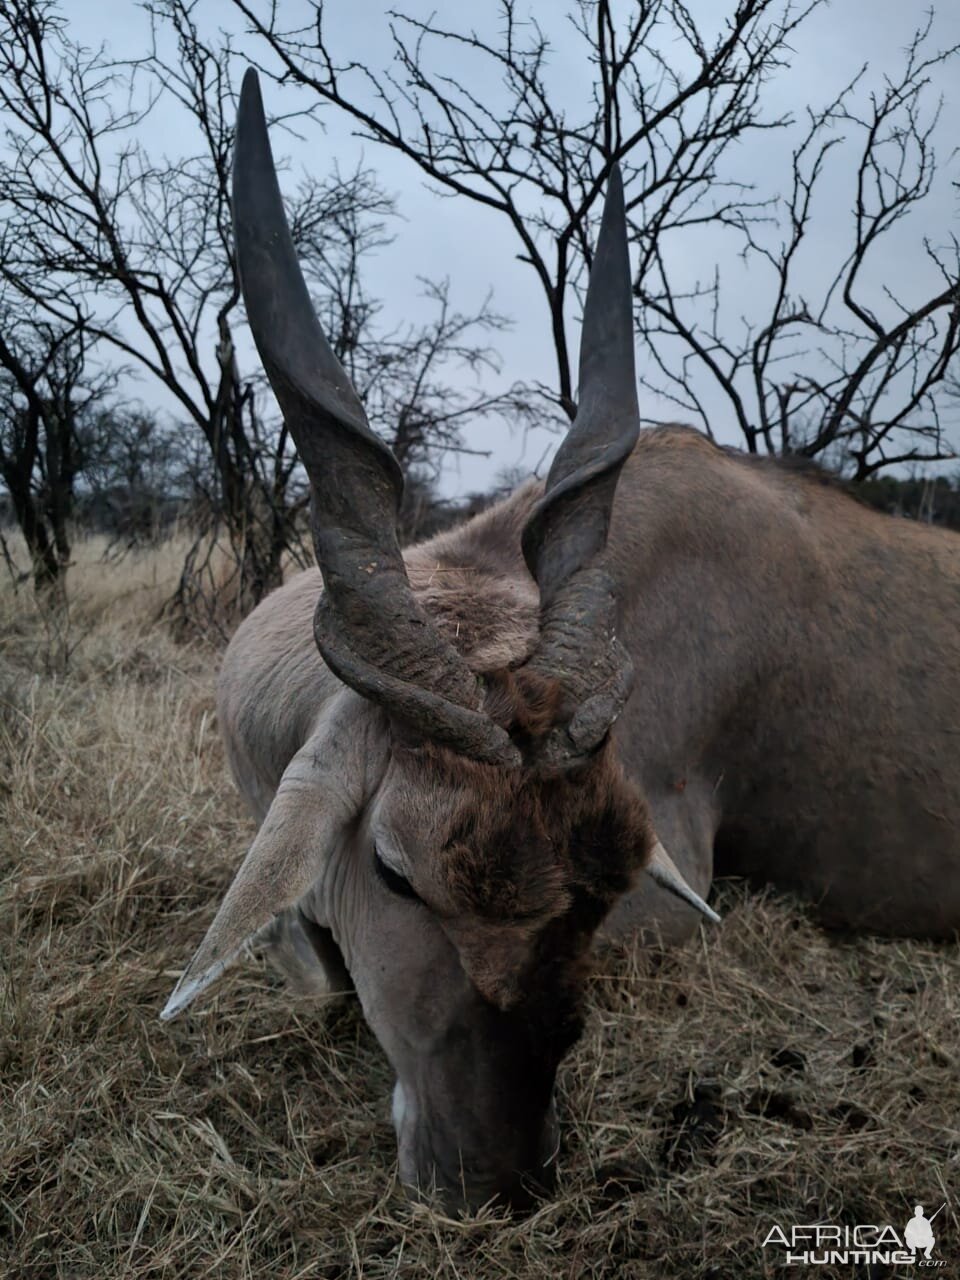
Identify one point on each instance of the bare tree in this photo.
(138, 253)
(138, 473)
(421, 384)
(46, 394)
(100, 233)
(669, 100)
(856, 376)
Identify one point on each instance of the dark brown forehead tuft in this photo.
(524, 702)
(512, 851)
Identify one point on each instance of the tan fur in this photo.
(484, 601)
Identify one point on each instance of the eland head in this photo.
(453, 814)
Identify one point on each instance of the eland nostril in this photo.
(520, 1195)
(531, 1189)
(454, 1192)
(458, 1186)
(488, 1159)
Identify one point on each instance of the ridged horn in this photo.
(566, 533)
(369, 626)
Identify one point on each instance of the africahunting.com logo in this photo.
(867, 1244)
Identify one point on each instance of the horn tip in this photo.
(251, 82)
(664, 871)
(711, 915)
(187, 989)
(251, 119)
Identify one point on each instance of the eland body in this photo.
(668, 647)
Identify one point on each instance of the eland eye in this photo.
(394, 881)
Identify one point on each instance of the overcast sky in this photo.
(476, 249)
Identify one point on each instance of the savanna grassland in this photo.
(767, 1073)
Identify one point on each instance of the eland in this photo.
(565, 716)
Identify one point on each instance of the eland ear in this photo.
(662, 869)
(321, 792)
(285, 859)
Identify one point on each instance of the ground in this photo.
(768, 1073)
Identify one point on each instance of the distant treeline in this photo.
(122, 513)
(935, 499)
(144, 514)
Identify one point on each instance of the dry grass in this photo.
(767, 1073)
